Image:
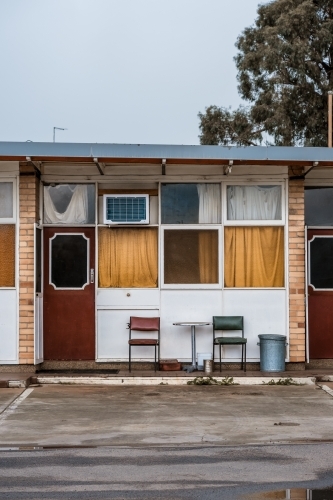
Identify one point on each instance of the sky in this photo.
(116, 71)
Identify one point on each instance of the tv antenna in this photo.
(57, 128)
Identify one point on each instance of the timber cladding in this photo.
(296, 271)
(29, 210)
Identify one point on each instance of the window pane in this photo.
(7, 255)
(127, 258)
(190, 256)
(69, 261)
(254, 203)
(191, 203)
(319, 206)
(254, 257)
(6, 199)
(321, 263)
(69, 204)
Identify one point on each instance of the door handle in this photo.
(92, 275)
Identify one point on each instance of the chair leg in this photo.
(245, 357)
(129, 358)
(155, 359)
(242, 356)
(220, 358)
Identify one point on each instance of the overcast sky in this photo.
(119, 71)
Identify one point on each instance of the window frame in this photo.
(253, 222)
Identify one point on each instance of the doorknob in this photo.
(92, 275)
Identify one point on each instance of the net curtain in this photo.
(254, 202)
(76, 211)
(209, 203)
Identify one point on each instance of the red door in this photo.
(320, 293)
(69, 294)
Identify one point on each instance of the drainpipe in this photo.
(330, 95)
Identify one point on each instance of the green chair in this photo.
(227, 323)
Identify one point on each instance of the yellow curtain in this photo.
(7, 255)
(127, 258)
(254, 257)
(208, 256)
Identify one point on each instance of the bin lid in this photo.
(269, 336)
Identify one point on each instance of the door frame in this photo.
(38, 301)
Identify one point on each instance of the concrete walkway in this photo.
(62, 415)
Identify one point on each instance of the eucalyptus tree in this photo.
(285, 69)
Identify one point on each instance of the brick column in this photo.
(29, 208)
(296, 269)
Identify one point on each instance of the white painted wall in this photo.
(8, 330)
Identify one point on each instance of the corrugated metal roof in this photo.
(56, 150)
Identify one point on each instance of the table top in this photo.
(192, 323)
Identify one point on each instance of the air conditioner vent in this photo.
(126, 209)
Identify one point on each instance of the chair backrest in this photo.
(144, 324)
(228, 323)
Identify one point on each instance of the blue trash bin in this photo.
(272, 352)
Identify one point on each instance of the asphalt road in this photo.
(181, 472)
(165, 442)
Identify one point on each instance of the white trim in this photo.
(253, 222)
(307, 350)
(316, 236)
(88, 260)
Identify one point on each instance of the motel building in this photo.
(92, 234)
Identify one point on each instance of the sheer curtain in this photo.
(76, 211)
(254, 202)
(254, 257)
(127, 258)
(209, 203)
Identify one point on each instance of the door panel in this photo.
(69, 294)
(320, 293)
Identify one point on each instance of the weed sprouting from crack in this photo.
(212, 381)
(282, 381)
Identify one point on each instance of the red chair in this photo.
(139, 324)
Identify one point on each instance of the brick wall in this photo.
(296, 269)
(29, 214)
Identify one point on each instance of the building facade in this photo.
(91, 234)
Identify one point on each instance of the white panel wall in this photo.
(8, 323)
(264, 311)
(182, 306)
(112, 336)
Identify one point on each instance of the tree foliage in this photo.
(285, 69)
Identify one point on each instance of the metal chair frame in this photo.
(154, 342)
(222, 323)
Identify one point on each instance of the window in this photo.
(7, 255)
(69, 261)
(191, 256)
(6, 200)
(127, 257)
(254, 203)
(254, 257)
(319, 206)
(69, 204)
(191, 203)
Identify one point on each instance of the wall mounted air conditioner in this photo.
(126, 209)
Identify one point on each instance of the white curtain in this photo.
(76, 211)
(254, 202)
(209, 203)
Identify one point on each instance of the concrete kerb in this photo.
(63, 380)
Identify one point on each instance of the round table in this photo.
(192, 324)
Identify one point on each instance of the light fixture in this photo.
(163, 165)
(228, 168)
